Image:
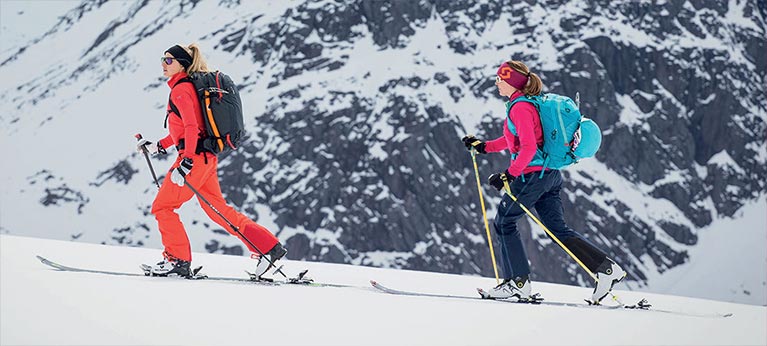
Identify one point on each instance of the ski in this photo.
(300, 280)
(643, 304)
(536, 299)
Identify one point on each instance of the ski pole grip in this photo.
(138, 138)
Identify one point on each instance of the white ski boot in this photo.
(608, 274)
(519, 288)
(168, 267)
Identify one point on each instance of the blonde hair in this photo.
(534, 84)
(198, 61)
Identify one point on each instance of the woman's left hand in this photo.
(179, 174)
(497, 180)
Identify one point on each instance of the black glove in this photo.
(496, 179)
(472, 142)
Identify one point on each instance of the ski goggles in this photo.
(167, 61)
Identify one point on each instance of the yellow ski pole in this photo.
(484, 214)
(508, 190)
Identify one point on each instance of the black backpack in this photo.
(221, 111)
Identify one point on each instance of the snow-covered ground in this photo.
(725, 264)
(728, 263)
(43, 306)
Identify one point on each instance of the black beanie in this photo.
(181, 55)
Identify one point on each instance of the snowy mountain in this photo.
(355, 109)
(44, 306)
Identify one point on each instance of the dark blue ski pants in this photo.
(541, 193)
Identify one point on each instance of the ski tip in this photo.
(47, 262)
(373, 282)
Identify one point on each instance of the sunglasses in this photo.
(168, 61)
(497, 79)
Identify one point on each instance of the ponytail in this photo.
(198, 61)
(534, 84)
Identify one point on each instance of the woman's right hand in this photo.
(144, 144)
(472, 142)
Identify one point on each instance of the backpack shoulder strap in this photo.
(534, 100)
(173, 107)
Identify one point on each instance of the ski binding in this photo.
(533, 299)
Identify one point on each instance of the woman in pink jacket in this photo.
(541, 191)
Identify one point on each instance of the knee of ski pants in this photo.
(157, 205)
(157, 211)
(162, 203)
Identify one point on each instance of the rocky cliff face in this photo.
(356, 110)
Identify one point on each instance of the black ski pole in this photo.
(148, 162)
(234, 228)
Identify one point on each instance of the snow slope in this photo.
(744, 268)
(72, 161)
(44, 306)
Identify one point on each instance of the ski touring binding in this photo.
(641, 305)
(301, 278)
(194, 273)
(533, 299)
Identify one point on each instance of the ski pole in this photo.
(508, 190)
(234, 228)
(484, 214)
(148, 162)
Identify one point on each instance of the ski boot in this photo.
(519, 288)
(265, 262)
(608, 274)
(169, 266)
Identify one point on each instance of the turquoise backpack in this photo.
(567, 135)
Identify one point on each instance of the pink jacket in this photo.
(528, 123)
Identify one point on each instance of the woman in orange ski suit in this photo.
(199, 169)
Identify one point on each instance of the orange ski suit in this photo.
(185, 129)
